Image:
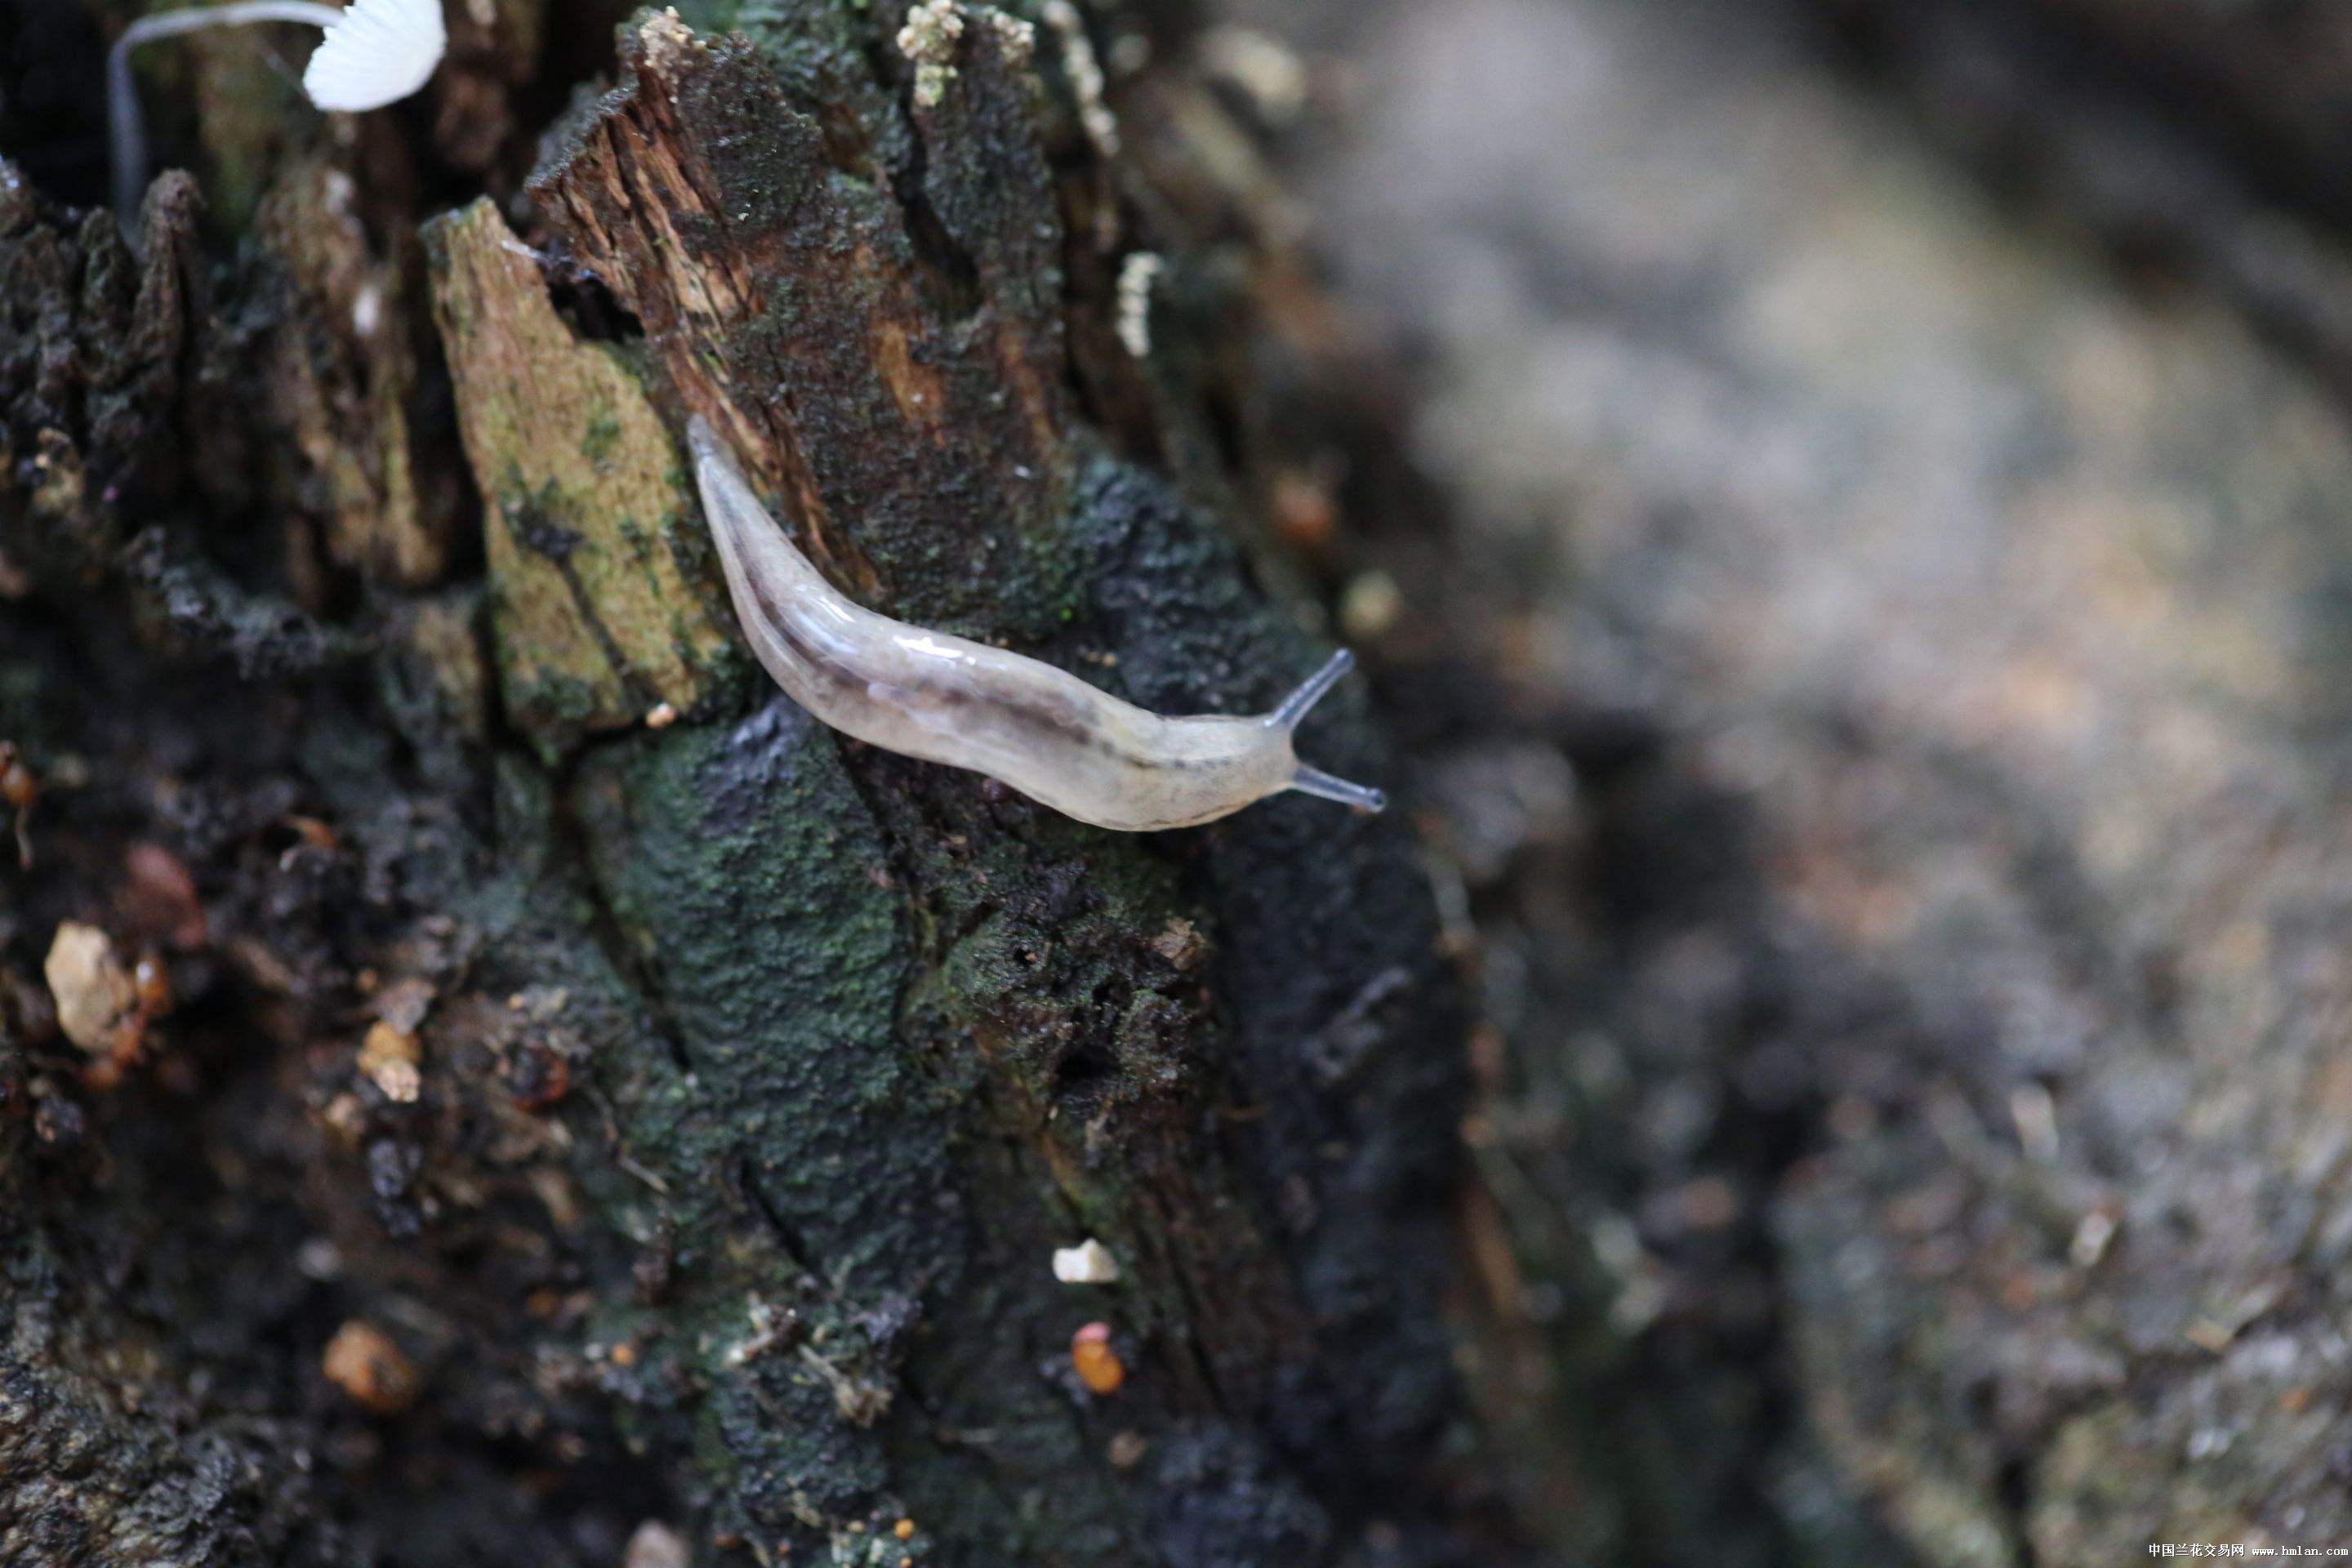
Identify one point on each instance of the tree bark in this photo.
(596, 1096)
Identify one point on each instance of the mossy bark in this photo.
(756, 1075)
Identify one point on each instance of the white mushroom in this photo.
(375, 52)
(1088, 1263)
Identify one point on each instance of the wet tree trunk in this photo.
(483, 1078)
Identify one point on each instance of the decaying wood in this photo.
(596, 1095)
(590, 531)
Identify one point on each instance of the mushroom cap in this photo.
(377, 52)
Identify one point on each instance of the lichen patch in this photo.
(928, 41)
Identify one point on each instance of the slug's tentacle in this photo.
(1311, 691)
(1295, 707)
(1324, 786)
(1025, 724)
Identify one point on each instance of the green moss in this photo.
(819, 50)
(603, 438)
(597, 618)
(740, 866)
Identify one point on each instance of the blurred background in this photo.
(1882, 689)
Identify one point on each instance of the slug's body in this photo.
(1040, 730)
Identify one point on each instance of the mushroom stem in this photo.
(128, 126)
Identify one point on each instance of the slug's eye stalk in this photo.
(1295, 707)
(375, 52)
(1323, 787)
(1311, 691)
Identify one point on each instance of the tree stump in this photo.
(593, 1102)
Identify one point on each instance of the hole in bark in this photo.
(1088, 1064)
(591, 308)
(1111, 996)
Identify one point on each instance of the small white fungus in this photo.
(1137, 277)
(1086, 75)
(377, 52)
(1088, 1263)
(928, 40)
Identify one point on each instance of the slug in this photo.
(1026, 724)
